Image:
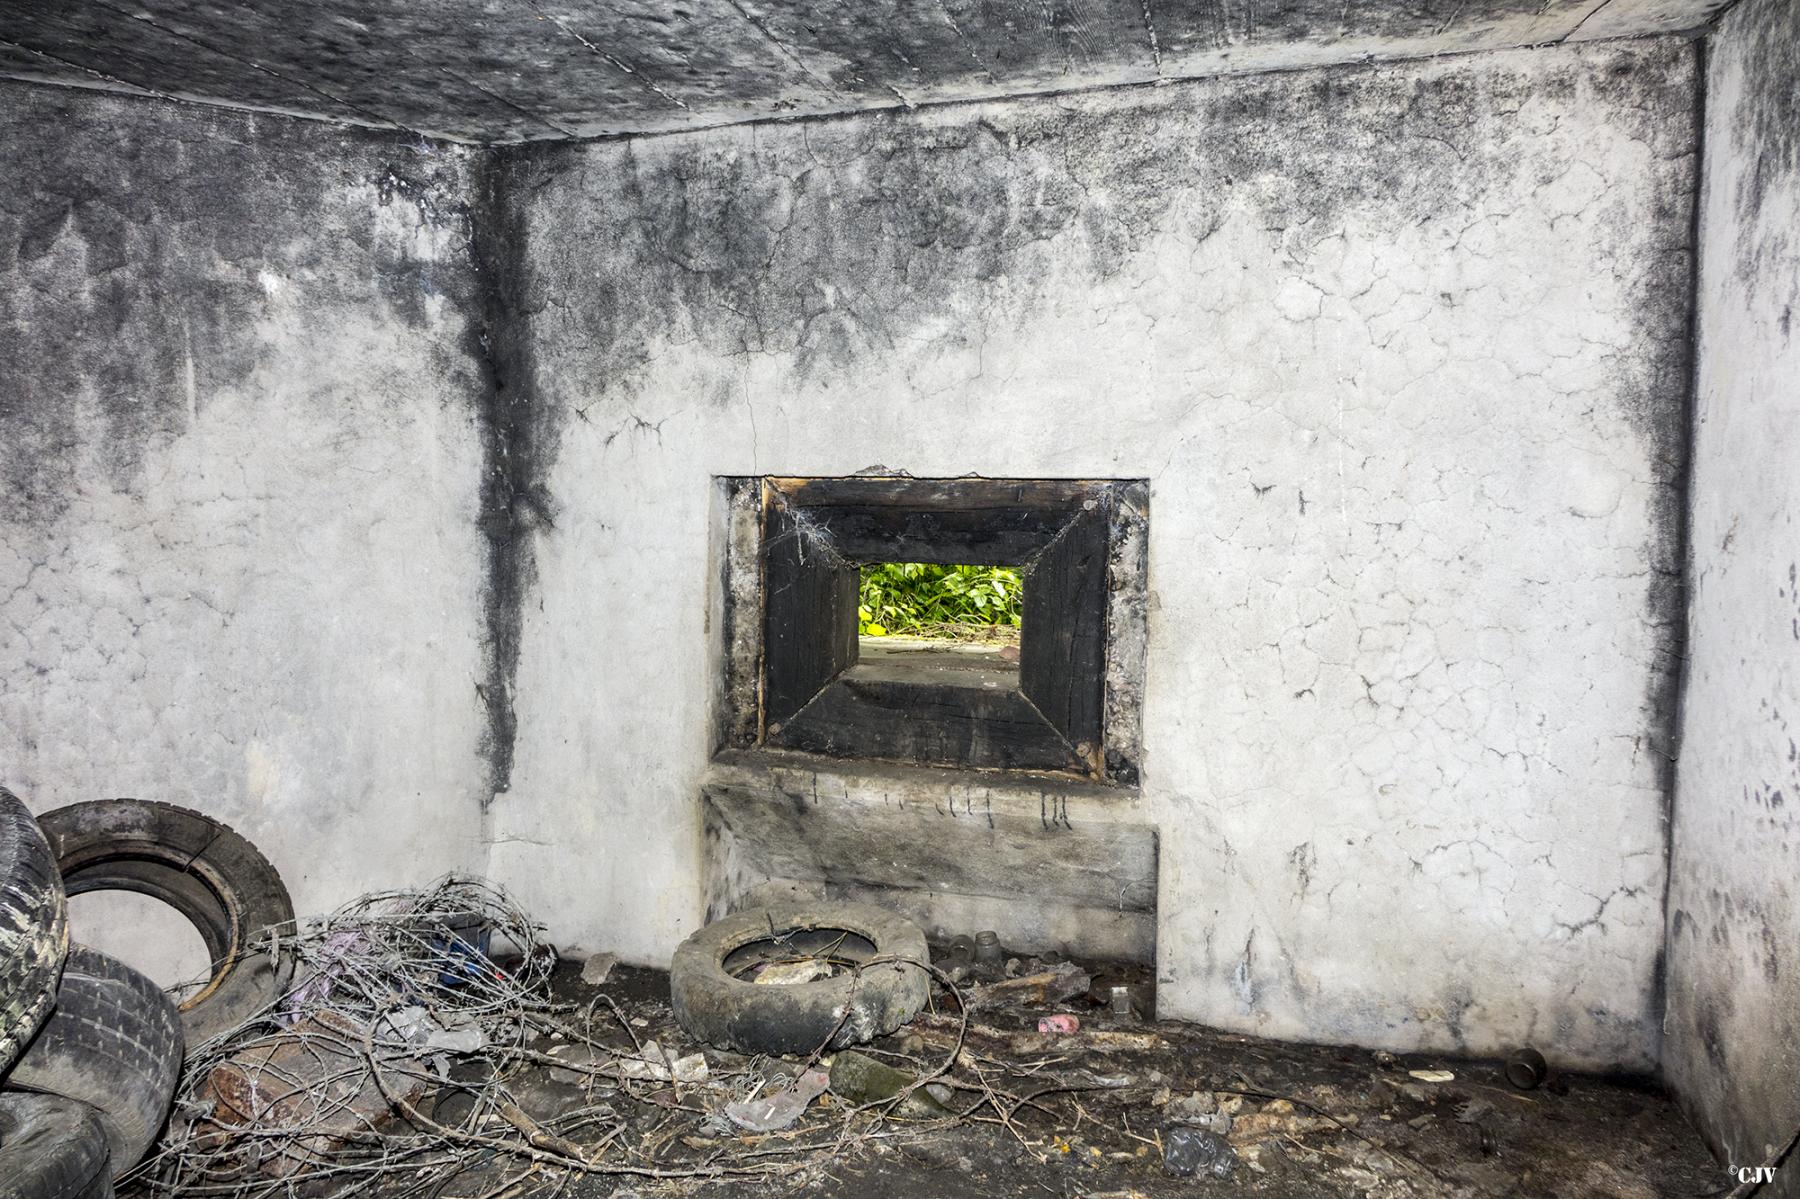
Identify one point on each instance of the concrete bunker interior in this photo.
(398, 403)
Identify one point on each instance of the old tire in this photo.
(201, 868)
(114, 1043)
(34, 928)
(848, 1008)
(51, 1148)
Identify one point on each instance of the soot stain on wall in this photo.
(768, 240)
(781, 241)
(1770, 51)
(809, 257)
(1734, 1021)
(519, 438)
(142, 245)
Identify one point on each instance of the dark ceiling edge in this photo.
(125, 90)
(108, 85)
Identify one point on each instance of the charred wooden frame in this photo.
(795, 549)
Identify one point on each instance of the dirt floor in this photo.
(1089, 1114)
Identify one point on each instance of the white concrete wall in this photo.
(1402, 350)
(1733, 1035)
(240, 568)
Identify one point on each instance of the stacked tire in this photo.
(34, 928)
(90, 1049)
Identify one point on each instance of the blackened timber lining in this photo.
(809, 613)
(877, 718)
(1062, 652)
(815, 697)
(978, 522)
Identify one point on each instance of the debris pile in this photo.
(427, 1038)
(420, 1035)
(396, 1002)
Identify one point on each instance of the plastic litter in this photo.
(1187, 1151)
(787, 974)
(415, 1026)
(780, 1109)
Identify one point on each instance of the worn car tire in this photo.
(52, 1148)
(848, 1008)
(34, 928)
(114, 1043)
(201, 868)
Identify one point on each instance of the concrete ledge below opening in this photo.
(1045, 863)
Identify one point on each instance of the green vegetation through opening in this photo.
(955, 603)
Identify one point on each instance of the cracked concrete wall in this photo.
(240, 447)
(1403, 350)
(1733, 1030)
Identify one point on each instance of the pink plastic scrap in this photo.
(1061, 1022)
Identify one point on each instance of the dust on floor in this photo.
(1097, 1114)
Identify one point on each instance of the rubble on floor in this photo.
(1045, 1081)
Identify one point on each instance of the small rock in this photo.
(547, 1099)
(859, 1078)
(1214, 1122)
(1474, 1111)
(584, 1062)
(1432, 1075)
(650, 1063)
(595, 970)
(1191, 1108)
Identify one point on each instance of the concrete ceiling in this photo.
(513, 70)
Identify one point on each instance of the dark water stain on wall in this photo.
(519, 438)
(1766, 37)
(139, 246)
(816, 252)
(1734, 1020)
(829, 245)
(823, 242)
